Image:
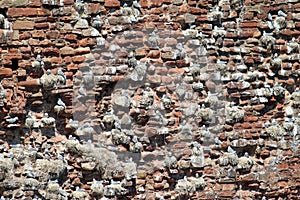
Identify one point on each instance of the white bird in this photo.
(61, 74)
(183, 180)
(202, 35)
(267, 34)
(61, 103)
(270, 17)
(179, 46)
(230, 150)
(135, 139)
(47, 122)
(81, 91)
(38, 58)
(289, 112)
(97, 22)
(218, 141)
(12, 120)
(73, 124)
(2, 18)
(274, 123)
(281, 13)
(136, 4)
(270, 25)
(30, 120)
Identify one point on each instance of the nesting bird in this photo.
(47, 122)
(218, 32)
(61, 77)
(245, 163)
(170, 161)
(12, 120)
(2, 19)
(30, 121)
(267, 40)
(97, 22)
(48, 80)
(2, 96)
(79, 6)
(296, 97)
(281, 13)
(184, 187)
(180, 51)
(119, 137)
(136, 146)
(97, 188)
(215, 14)
(72, 124)
(166, 101)
(279, 23)
(153, 40)
(233, 113)
(197, 158)
(85, 131)
(292, 46)
(276, 62)
(82, 92)
(278, 90)
(60, 106)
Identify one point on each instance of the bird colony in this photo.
(158, 99)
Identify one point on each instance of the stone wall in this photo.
(158, 99)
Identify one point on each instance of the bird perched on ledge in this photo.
(60, 106)
(47, 122)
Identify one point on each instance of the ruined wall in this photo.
(159, 99)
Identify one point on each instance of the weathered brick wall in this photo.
(227, 126)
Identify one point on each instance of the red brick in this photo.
(290, 33)
(37, 34)
(145, 3)
(194, 10)
(5, 72)
(202, 18)
(228, 42)
(68, 2)
(154, 54)
(72, 66)
(78, 59)
(112, 3)
(71, 37)
(27, 12)
(51, 51)
(82, 50)
(178, 71)
(156, 2)
(87, 42)
(251, 24)
(52, 34)
(192, 2)
(30, 83)
(56, 60)
(12, 56)
(25, 36)
(95, 8)
(45, 43)
(25, 49)
(156, 11)
(42, 25)
(247, 33)
(23, 25)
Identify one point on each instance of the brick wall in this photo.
(202, 95)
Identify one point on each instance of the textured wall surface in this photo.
(158, 99)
